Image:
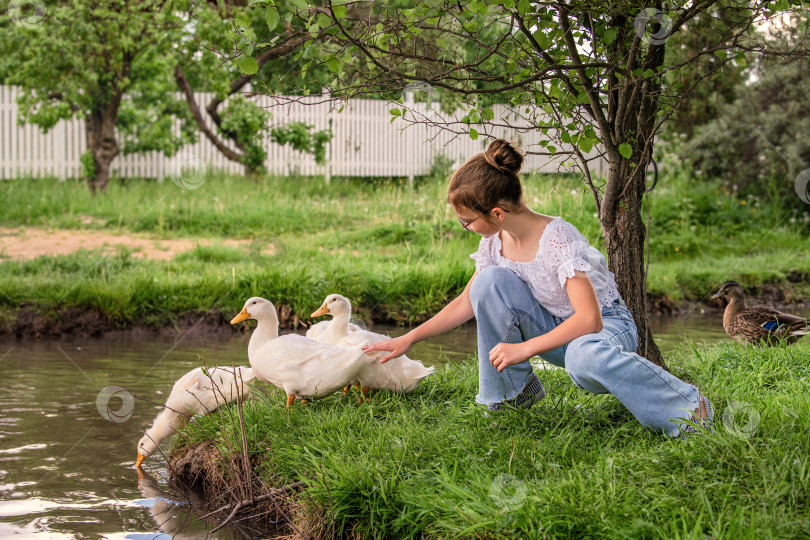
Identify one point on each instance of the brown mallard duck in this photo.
(758, 324)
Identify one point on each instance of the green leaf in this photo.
(271, 16)
(247, 64)
(609, 36)
(300, 5)
(585, 144)
(625, 150)
(473, 134)
(334, 65)
(542, 39)
(523, 7)
(478, 6)
(243, 19)
(340, 11)
(395, 112)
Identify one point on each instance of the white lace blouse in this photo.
(562, 249)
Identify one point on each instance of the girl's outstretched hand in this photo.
(397, 347)
(508, 354)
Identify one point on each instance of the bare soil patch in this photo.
(25, 243)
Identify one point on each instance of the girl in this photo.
(540, 289)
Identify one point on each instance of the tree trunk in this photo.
(101, 140)
(631, 119)
(624, 233)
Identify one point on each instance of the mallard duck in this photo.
(399, 374)
(758, 324)
(302, 367)
(199, 391)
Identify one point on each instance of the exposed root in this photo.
(277, 510)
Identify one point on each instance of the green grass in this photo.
(398, 254)
(578, 465)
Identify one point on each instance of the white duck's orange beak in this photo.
(140, 459)
(241, 317)
(323, 310)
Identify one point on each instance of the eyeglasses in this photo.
(465, 223)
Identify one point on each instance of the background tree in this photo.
(720, 78)
(107, 62)
(591, 76)
(760, 143)
(218, 56)
(118, 64)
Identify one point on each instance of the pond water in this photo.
(66, 472)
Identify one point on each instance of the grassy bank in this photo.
(576, 465)
(398, 254)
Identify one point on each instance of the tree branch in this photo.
(596, 103)
(185, 87)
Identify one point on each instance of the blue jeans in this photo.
(604, 362)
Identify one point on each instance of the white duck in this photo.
(303, 368)
(400, 374)
(317, 331)
(199, 391)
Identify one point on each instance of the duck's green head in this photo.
(729, 288)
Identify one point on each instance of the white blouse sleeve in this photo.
(568, 250)
(483, 257)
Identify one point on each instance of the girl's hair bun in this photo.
(504, 157)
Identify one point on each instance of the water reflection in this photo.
(66, 472)
(174, 513)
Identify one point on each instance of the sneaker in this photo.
(531, 394)
(706, 423)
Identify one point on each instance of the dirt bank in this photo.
(29, 321)
(280, 510)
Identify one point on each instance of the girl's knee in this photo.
(490, 280)
(581, 355)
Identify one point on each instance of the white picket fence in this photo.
(365, 143)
